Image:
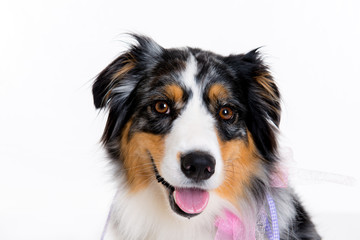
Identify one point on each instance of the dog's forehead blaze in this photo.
(218, 92)
(240, 164)
(135, 155)
(174, 92)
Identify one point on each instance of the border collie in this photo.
(193, 138)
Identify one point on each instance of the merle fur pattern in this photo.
(129, 96)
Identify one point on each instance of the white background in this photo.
(54, 180)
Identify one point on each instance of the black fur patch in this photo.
(263, 104)
(302, 226)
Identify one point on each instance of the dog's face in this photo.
(190, 119)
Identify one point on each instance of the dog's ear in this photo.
(113, 87)
(120, 77)
(263, 100)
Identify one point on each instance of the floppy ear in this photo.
(119, 78)
(263, 98)
(114, 85)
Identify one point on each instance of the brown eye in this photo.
(162, 107)
(226, 113)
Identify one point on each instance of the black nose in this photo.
(198, 165)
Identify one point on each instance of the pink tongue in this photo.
(191, 200)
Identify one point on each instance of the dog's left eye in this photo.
(162, 107)
(226, 113)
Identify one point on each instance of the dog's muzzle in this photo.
(189, 202)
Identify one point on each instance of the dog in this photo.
(192, 136)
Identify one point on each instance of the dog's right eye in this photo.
(162, 107)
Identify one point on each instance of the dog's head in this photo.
(190, 119)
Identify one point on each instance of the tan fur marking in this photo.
(240, 163)
(178, 156)
(266, 82)
(218, 92)
(129, 64)
(174, 92)
(137, 163)
(269, 94)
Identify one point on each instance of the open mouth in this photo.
(187, 202)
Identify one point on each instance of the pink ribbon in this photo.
(231, 227)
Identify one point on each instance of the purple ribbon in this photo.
(272, 232)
